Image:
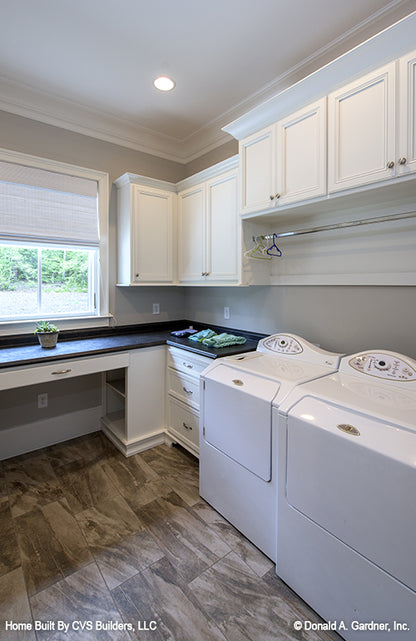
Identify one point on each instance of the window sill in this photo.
(28, 326)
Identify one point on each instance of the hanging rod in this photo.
(353, 223)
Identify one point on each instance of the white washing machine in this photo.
(346, 526)
(237, 439)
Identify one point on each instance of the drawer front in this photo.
(32, 374)
(187, 362)
(185, 387)
(183, 420)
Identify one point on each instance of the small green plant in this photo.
(45, 326)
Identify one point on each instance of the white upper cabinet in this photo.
(191, 234)
(208, 231)
(406, 148)
(285, 162)
(361, 131)
(257, 171)
(301, 154)
(145, 233)
(222, 231)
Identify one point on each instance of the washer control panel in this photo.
(282, 344)
(383, 365)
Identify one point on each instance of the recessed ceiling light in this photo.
(163, 83)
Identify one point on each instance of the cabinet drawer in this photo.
(31, 374)
(183, 421)
(185, 387)
(187, 362)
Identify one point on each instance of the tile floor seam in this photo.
(167, 464)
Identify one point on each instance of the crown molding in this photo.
(25, 100)
(375, 52)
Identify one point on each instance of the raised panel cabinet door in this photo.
(222, 233)
(361, 131)
(153, 235)
(301, 154)
(191, 235)
(257, 158)
(406, 151)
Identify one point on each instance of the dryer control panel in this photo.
(282, 344)
(386, 365)
(298, 349)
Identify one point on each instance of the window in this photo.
(53, 240)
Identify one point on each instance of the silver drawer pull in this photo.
(62, 371)
(187, 391)
(188, 365)
(187, 427)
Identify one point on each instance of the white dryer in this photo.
(346, 526)
(237, 439)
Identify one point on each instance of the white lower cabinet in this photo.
(183, 372)
(183, 425)
(133, 398)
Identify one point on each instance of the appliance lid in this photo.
(365, 395)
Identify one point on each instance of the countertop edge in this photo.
(136, 337)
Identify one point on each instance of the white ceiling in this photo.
(89, 65)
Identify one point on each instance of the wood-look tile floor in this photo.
(129, 550)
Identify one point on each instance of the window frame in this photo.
(102, 315)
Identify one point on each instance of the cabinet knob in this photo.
(390, 164)
(402, 161)
(277, 196)
(271, 197)
(137, 275)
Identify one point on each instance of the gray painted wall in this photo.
(343, 319)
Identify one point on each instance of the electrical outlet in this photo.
(156, 308)
(226, 313)
(42, 401)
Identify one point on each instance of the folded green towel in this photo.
(223, 340)
(200, 336)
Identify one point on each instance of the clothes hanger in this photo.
(259, 251)
(273, 250)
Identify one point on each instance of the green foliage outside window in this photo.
(62, 269)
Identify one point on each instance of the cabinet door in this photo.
(301, 154)
(361, 131)
(145, 393)
(191, 230)
(406, 152)
(222, 229)
(153, 235)
(257, 160)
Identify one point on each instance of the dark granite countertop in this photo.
(25, 350)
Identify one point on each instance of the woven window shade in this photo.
(36, 204)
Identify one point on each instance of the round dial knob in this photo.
(382, 365)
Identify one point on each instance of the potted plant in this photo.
(47, 334)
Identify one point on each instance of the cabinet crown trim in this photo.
(136, 179)
(210, 172)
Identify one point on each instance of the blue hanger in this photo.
(273, 250)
